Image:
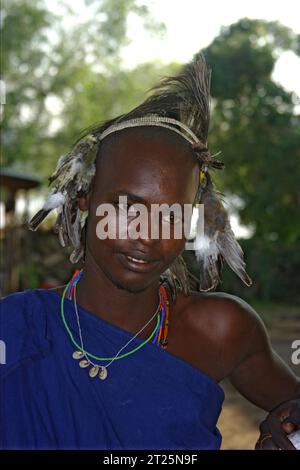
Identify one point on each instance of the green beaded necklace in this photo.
(86, 357)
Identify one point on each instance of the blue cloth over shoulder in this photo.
(150, 400)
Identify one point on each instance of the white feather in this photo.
(75, 168)
(54, 200)
(205, 247)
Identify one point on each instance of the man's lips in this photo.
(139, 256)
(137, 261)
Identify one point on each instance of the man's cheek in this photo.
(171, 250)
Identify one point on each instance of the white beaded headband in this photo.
(153, 120)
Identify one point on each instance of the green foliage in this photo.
(21, 58)
(255, 126)
(61, 79)
(275, 271)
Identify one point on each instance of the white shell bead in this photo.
(84, 363)
(77, 355)
(103, 373)
(93, 371)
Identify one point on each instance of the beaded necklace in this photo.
(85, 358)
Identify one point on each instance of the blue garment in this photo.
(150, 400)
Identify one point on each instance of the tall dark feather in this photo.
(185, 97)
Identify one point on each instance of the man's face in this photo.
(148, 166)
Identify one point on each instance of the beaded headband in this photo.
(153, 120)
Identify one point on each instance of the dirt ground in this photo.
(240, 419)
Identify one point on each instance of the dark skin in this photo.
(218, 333)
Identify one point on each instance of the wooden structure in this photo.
(13, 232)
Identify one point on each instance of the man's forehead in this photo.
(145, 185)
(146, 166)
(143, 190)
(145, 141)
(146, 195)
(141, 174)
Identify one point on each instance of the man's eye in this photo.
(131, 210)
(122, 207)
(171, 219)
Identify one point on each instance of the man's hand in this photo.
(280, 422)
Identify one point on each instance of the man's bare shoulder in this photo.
(225, 311)
(225, 322)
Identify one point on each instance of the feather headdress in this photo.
(182, 104)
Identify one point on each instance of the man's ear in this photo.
(84, 201)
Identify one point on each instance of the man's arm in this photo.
(261, 376)
(265, 380)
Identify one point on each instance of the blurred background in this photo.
(68, 64)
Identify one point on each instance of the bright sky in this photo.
(192, 25)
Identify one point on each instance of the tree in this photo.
(255, 125)
(61, 79)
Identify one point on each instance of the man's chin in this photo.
(133, 288)
(133, 283)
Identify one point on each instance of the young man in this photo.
(128, 355)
